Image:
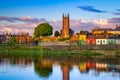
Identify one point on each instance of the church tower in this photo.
(65, 26)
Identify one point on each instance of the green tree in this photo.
(12, 40)
(56, 34)
(43, 29)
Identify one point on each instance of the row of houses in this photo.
(85, 66)
(15, 38)
(100, 36)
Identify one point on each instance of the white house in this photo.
(117, 41)
(101, 41)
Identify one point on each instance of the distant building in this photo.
(91, 40)
(2, 38)
(111, 39)
(83, 36)
(65, 32)
(108, 31)
(19, 38)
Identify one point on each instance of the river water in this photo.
(47, 69)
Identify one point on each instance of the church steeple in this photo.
(65, 26)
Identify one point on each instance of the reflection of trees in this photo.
(42, 70)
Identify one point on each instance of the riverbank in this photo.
(12, 50)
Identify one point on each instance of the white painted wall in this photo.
(101, 41)
(117, 41)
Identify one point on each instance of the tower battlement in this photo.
(65, 26)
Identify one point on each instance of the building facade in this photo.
(65, 33)
(20, 38)
(101, 41)
(91, 40)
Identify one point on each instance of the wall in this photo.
(91, 41)
(117, 41)
(101, 41)
(52, 43)
(82, 39)
(111, 41)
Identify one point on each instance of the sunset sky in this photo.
(24, 15)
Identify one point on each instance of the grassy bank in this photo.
(14, 50)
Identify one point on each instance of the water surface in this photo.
(46, 69)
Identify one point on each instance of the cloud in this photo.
(6, 18)
(91, 9)
(116, 13)
(114, 20)
(29, 24)
(117, 9)
(22, 19)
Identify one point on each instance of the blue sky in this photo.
(53, 9)
(20, 12)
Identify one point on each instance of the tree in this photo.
(56, 34)
(12, 40)
(43, 29)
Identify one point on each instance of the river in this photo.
(50, 69)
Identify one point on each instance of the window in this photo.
(103, 41)
(98, 41)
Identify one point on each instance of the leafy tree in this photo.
(12, 40)
(43, 29)
(56, 34)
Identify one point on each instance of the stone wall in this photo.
(82, 47)
(53, 44)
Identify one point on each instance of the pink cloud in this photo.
(28, 24)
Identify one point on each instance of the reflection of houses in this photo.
(90, 65)
(101, 67)
(83, 67)
(17, 61)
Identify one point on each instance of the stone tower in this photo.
(65, 26)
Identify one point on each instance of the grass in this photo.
(14, 50)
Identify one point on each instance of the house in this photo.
(111, 39)
(82, 37)
(117, 41)
(107, 31)
(2, 38)
(91, 40)
(19, 38)
(101, 40)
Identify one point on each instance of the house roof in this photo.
(91, 37)
(103, 29)
(117, 28)
(84, 32)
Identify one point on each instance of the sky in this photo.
(24, 15)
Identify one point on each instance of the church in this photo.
(65, 32)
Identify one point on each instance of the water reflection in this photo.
(47, 69)
(43, 68)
